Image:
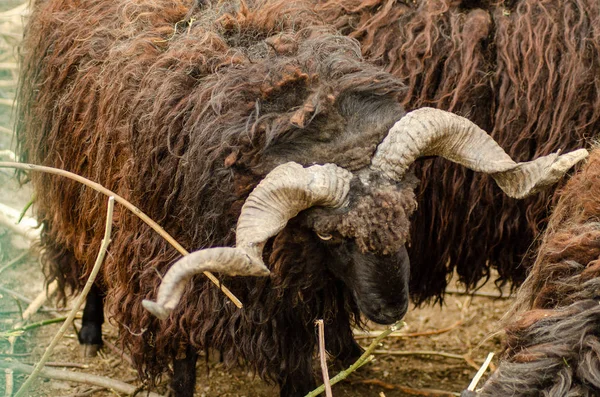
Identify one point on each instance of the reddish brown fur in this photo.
(553, 343)
(183, 119)
(526, 71)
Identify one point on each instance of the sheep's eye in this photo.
(325, 236)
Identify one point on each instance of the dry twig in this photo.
(363, 359)
(9, 217)
(464, 357)
(7, 102)
(323, 358)
(480, 373)
(371, 334)
(86, 392)
(21, 297)
(9, 66)
(8, 83)
(9, 382)
(38, 324)
(9, 154)
(39, 300)
(78, 302)
(70, 376)
(63, 364)
(419, 353)
(99, 188)
(479, 293)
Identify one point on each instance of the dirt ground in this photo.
(454, 355)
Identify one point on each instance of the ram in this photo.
(523, 70)
(552, 338)
(208, 116)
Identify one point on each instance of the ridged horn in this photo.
(434, 132)
(280, 196)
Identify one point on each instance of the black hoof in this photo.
(90, 334)
(90, 351)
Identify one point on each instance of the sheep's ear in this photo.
(433, 132)
(280, 196)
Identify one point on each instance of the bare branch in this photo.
(99, 188)
(70, 376)
(323, 358)
(371, 334)
(21, 297)
(39, 300)
(479, 293)
(419, 353)
(480, 373)
(8, 83)
(8, 373)
(363, 359)
(9, 66)
(7, 102)
(8, 219)
(80, 299)
(87, 392)
(63, 364)
(464, 357)
(8, 154)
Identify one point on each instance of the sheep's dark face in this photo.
(365, 240)
(366, 243)
(379, 282)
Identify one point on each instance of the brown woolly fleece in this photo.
(526, 71)
(183, 110)
(553, 336)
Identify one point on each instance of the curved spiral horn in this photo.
(280, 196)
(434, 132)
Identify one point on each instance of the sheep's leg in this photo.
(90, 335)
(60, 265)
(299, 382)
(184, 374)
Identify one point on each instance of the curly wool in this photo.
(157, 102)
(523, 70)
(378, 219)
(553, 343)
